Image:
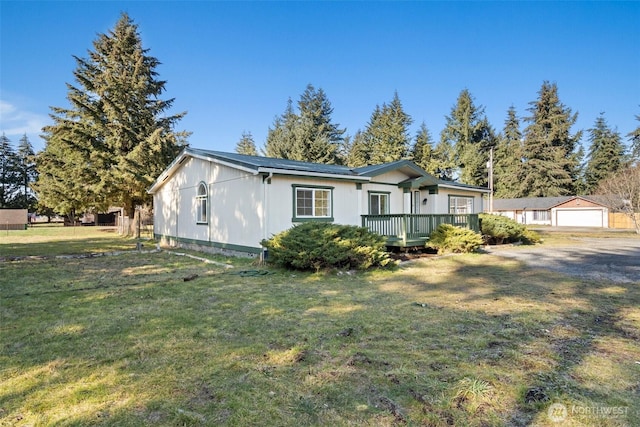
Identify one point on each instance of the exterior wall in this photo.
(439, 203)
(280, 195)
(235, 207)
(13, 219)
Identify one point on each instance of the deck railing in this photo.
(405, 228)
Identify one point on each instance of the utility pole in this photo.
(491, 180)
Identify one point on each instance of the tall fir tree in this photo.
(281, 138)
(468, 131)
(117, 123)
(309, 135)
(26, 173)
(356, 153)
(634, 139)
(422, 152)
(246, 145)
(508, 158)
(387, 136)
(606, 154)
(8, 178)
(551, 163)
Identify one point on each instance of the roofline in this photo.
(279, 171)
(463, 187)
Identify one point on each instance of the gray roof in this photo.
(260, 164)
(538, 203)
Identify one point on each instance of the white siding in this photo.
(236, 210)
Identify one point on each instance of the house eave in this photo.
(289, 172)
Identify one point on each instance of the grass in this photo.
(471, 340)
(52, 240)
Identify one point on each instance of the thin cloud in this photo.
(17, 122)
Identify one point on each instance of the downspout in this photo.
(265, 213)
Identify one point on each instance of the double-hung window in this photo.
(312, 203)
(202, 214)
(460, 205)
(378, 203)
(539, 215)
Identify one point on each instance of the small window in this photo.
(312, 203)
(378, 203)
(201, 204)
(460, 205)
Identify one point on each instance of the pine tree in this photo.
(8, 177)
(508, 158)
(422, 153)
(26, 173)
(550, 162)
(246, 145)
(606, 154)
(387, 134)
(468, 131)
(117, 123)
(634, 139)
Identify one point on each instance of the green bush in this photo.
(499, 229)
(317, 246)
(448, 238)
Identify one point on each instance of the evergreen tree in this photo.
(309, 136)
(634, 138)
(550, 162)
(422, 152)
(246, 145)
(606, 154)
(443, 160)
(356, 151)
(26, 173)
(508, 158)
(8, 177)
(281, 138)
(468, 131)
(117, 124)
(387, 134)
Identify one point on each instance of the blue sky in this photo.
(233, 65)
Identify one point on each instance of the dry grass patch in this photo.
(464, 340)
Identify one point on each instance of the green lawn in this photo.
(458, 340)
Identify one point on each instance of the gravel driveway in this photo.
(611, 259)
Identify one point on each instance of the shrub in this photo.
(448, 238)
(316, 246)
(530, 237)
(499, 229)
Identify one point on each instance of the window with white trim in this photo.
(201, 204)
(378, 203)
(460, 205)
(312, 203)
(541, 215)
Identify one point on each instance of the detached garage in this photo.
(564, 211)
(580, 212)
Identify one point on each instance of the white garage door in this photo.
(579, 218)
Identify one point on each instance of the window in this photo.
(312, 203)
(541, 216)
(201, 204)
(460, 205)
(378, 203)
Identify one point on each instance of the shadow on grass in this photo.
(145, 347)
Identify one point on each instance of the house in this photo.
(572, 211)
(14, 219)
(230, 202)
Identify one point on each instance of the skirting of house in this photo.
(210, 247)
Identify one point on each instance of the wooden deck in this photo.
(408, 230)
